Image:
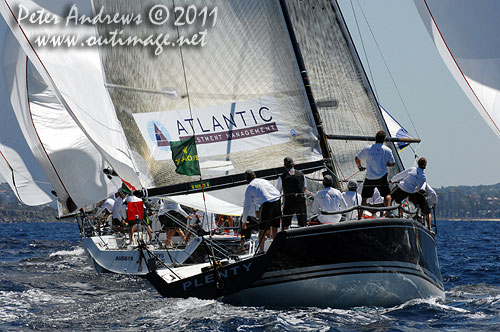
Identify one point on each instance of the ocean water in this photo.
(47, 284)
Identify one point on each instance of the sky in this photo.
(460, 147)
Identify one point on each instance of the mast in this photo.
(370, 92)
(325, 150)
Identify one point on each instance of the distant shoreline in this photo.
(469, 219)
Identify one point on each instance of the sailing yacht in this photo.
(272, 79)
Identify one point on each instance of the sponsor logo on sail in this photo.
(219, 129)
(159, 135)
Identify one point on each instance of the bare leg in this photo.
(360, 212)
(150, 233)
(182, 235)
(170, 235)
(131, 233)
(274, 231)
(262, 239)
(428, 221)
(387, 200)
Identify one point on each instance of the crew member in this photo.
(293, 185)
(377, 158)
(262, 194)
(328, 200)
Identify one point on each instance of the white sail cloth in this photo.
(395, 129)
(466, 35)
(76, 77)
(17, 163)
(212, 204)
(70, 161)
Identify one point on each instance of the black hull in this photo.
(375, 262)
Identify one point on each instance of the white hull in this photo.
(108, 256)
(383, 284)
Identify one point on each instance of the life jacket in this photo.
(135, 208)
(292, 183)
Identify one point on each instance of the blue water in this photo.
(47, 284)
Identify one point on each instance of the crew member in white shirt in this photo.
(262, 194)
(328, 200)
(172, 215)
(377, 158)
(106, 207)
(425, 198)
(410, 181)
(119, 210)
(352, 198)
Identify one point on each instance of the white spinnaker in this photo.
(17, 163)
(70, 161)
(466, 35)
(75, 75)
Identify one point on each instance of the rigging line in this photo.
(183, 66)
(191, 115)
(363, 45)
(389, 72)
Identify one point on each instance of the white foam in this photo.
(74, 252)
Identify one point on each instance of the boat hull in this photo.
(381, 262)
(107, 256)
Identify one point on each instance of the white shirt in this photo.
(258, 191)
(352, 198)
(376, 157)
(119, 210)
(410, 180)
(430, 193)
(167, 205)
(329, 200)
(207, 220)
(107, 205)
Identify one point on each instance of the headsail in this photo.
(395, 129)
(75, 76)
(465, 34)
(70, 161)
(17, 163)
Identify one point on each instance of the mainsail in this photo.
(341, 91)
(240, 94)
(465, 34)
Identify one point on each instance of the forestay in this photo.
(466, 36)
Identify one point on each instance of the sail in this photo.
(465, 34)
(74, 74)
(395, 129)
(240, 94)
(70, 161)
(340, 90)
(17, 163)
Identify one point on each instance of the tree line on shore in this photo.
(455, 202)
